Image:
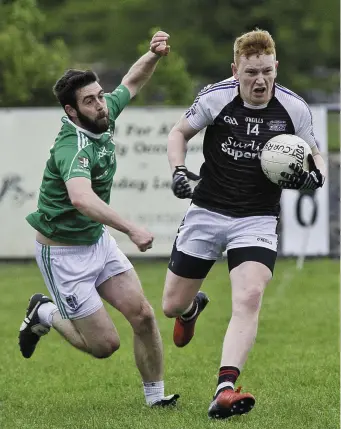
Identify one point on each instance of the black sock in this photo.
(192, 312)
(228, 374)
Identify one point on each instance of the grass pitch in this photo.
(293, 369)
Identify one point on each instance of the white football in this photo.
(279, 152)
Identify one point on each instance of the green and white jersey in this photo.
(77, 153)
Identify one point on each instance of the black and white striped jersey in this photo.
(232, 180)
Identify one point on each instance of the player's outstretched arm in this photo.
(89, 204)
(140, 72)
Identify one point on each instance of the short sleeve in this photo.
(117, 101)
(199, 114)
(72, 161)
(305, 128)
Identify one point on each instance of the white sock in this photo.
(153, 391)
(223, 385)
(46, 312)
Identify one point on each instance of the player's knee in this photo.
(105, 349)
(144, 318)
(171, 309)
(172, 303)
(250, 300)
(168, 310)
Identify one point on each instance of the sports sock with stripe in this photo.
(191, 312)
(227, 377)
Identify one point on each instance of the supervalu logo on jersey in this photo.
(238, 149)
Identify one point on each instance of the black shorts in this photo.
(192, 267)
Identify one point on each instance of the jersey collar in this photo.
(251, 106)
(82, 130)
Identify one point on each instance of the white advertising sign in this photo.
(26, 138)
(141, 190)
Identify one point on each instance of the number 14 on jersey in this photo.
(252, 129)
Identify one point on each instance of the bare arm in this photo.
(89, 204)
(306, 133)
(320, 164)
(178, 138)
(140, 72)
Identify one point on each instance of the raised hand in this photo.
(158, 44)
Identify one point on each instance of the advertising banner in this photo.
(141, 190)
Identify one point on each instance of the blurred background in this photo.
(41, 38)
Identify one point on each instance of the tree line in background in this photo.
(41, 38)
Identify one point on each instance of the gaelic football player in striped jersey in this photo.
(234, 206)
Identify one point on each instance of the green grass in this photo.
(293, 369)
(334, 131)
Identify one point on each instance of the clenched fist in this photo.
(158, 44)
(141, 237)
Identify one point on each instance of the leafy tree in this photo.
(202, 33)
(28, 66)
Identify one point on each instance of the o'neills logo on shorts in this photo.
(264, 240)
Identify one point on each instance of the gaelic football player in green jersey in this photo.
(79, 260)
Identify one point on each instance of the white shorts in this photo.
(206, 234)
(72, 273)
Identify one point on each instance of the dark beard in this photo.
(95, 127)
